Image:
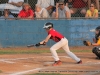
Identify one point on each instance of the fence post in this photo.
(27, 1)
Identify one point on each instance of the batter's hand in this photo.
(37, 45)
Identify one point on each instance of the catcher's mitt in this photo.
(87, 43)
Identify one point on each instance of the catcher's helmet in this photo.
(98, 28)
(97, 35)
(48, 25)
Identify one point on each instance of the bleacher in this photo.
(33, 2)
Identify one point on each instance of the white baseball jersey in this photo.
(19, 8)
(42, 14)
(45, 3)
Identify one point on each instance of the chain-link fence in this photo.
(20, 33)
(76, 9)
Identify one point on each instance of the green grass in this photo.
(50, 74)
(0, 71)
(36, 51)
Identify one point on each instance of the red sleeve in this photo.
(52, 33)
(31, 13)
(20, 13)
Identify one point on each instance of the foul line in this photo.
(10, 60)
(7, 61)
(24, 72)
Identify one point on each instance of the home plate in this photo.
(48, 63)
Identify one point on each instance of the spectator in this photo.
(65, 1)
(7, 15)
(92, 12)
(94, 1)
(47, 4)
(61, 11)
(41, 13)
(78, 5)
(17, 3)
(26, 12)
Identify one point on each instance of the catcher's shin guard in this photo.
(96, 51)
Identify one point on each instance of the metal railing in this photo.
(33, 2)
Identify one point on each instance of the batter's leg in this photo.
(54, 48)
(72, 55)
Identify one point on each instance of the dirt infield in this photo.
(25, 64)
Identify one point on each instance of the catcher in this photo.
(62, 42)
(96, 40)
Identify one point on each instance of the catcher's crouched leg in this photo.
(96, 51)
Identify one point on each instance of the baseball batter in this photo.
(62, 42)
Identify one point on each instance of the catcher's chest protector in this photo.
(97, 38)
(96, 51)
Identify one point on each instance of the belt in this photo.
(58, 39)
(62, 38)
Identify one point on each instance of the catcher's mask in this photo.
(97, 35)
(98, 28)
(48, 25)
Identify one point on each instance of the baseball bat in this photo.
(37, 45)
(31, 45)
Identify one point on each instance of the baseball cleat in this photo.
(57, 63)
(80, 62)
(97, 58)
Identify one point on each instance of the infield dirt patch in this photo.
(25, 64)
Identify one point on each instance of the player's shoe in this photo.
(80, 62)
(57, 63)
(98, 58)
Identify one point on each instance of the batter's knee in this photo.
(52, 49)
